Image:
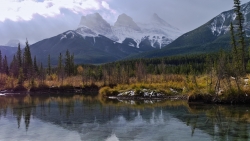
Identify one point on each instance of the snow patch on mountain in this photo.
(131, 44)
(218, 24)
(63, 37)
(124, 32)
(221, 24)
(69, 35)
(86, 32)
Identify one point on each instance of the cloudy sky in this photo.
(21, 19)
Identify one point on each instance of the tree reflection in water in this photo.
(80, 113)
(222, 122)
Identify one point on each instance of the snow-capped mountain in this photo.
(159, 32)
(220, 25)
(124, 21)
(156, 25)
(14, 43)
(209, 37)
(97, 24)
(86, 45)
(155, 32)
(125, 27)
(95, 41)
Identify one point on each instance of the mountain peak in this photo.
(127, 22)
(96, 23)
(155, 15)
(156, 19)
(95, 15)
(124, 16)
(14, 43)
(91, 19)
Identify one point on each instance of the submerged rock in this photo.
(140, 93)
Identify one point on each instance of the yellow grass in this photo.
(186, 85)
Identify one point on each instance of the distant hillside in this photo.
(8, 51)
(87, 47)
(210, 37)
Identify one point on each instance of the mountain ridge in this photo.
(87, 49)
(210, 37)
(126, 28)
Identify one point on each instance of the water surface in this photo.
(76, 117)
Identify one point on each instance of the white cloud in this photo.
(25, 9)
(106, 6)
(40, 19)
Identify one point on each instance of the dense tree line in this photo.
(23, 67)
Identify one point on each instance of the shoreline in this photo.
(93, 91)
(52, 90)
(180, 97)
(197, 99)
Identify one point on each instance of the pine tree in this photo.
(60, 64)
(5, 65)
(118, 73)
(100, 73)
(233, 41)
(35, 65)
(14, 67)
(235, 53)
(60, 68)
(1, 65)
(19, 56)
(27, 62)
(241, 36)
(20, 76)
(49, 66)
(67, 63)
(42, 73)
(72, 65)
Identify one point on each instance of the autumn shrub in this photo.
(107, 91)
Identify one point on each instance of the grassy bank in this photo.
(50, 82)
(197, 88)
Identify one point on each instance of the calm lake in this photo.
(76, 118)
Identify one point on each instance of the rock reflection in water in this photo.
(83, 118)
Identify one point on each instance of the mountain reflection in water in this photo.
(78, 117)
